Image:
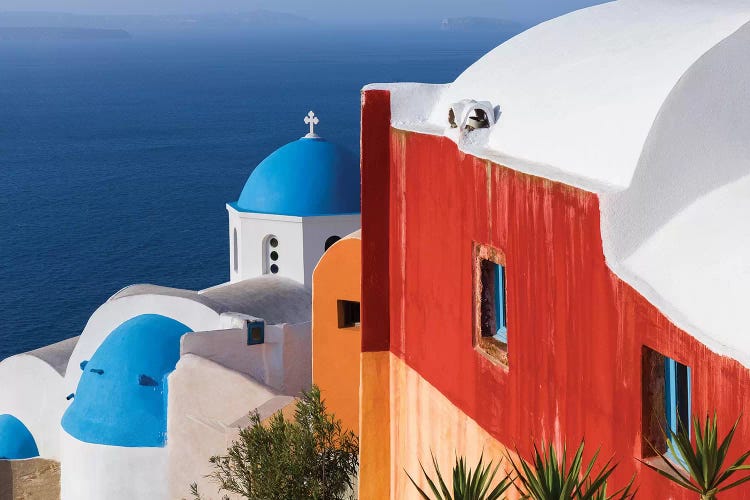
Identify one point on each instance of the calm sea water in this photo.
(117, 157)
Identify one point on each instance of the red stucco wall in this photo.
(575, 330)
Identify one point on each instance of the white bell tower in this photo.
(297, 202)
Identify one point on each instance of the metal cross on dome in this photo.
(312, 120)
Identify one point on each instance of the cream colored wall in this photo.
(282, 362)
(205, 401)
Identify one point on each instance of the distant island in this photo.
(105, 26)
(479, 24)
(57, 33)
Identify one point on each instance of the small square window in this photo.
(666, 399)
(348, 313)
(255, 332)
(491, 329)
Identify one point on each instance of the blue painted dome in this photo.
(310, 176)
(16, 442)
(121, 396)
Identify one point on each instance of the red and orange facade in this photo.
(580, 339)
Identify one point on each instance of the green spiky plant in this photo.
(468, 484)
(548, 477)
(626, 493)
(702, 466)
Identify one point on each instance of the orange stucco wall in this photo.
(407, 426)
(375, 427)
(336, 351)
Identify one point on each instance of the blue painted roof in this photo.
(121, 397)
(16, 442)
(309, 176)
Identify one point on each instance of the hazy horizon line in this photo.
(317, 20)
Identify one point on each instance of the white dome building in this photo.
(161, 378)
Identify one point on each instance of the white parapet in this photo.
(96, 472)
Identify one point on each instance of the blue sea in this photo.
(117, 157)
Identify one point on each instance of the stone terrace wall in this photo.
(32, 479)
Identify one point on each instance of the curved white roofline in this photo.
(647, 103)
(580, 93)
(680, 233)
(272, 298)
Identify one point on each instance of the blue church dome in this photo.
(16, 442)
(309, 176)
(121, 396)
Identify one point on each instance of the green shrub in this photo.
(309, 458)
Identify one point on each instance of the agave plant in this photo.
(626, 493)
(468, 484)
(550, 478)
(703, 470)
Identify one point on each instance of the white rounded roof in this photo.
(578, 94)
(647, 103)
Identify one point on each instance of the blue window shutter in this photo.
(670, 394)
(500, 324)
(690, 398)
(677, 398)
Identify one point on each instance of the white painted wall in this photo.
(296, 359)
(218, 381)
(301, 242)
(205, 399)
(113, 313)
(252, 230)
(317, 230)
(33, 392)
(680, 234)
(283, 362)
(95, 472)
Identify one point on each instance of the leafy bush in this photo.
(310, 458)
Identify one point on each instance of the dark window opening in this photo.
(490, 291)
(330, 241)
(255, 332)
(490, 306)
(270, 254)
(348, 313)
(666, 400)
(493, 301)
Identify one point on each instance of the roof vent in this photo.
(468, 114)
